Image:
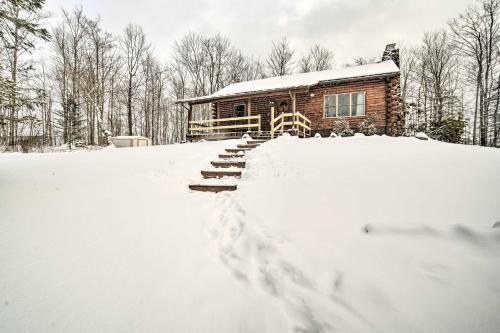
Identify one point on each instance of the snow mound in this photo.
(372, 236)
(421, 136)
(317, 136)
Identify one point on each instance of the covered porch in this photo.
(260, 115)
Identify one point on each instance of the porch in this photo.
(294, 123)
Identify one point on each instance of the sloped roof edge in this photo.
(294, 81)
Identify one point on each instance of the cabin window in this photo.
(357, 104)
(344, 105)
(240, 110)
(331, 106)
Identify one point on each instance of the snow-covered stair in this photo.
(227, 169)
(219, 173)
(228, 164)
(231, 156)
(237, 150)
(212, 187)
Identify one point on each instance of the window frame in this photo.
(350, 104)
(244, 112)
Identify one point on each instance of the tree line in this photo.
(93, 84)
(451, 81)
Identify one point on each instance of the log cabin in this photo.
(303, 104)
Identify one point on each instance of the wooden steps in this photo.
(216, 188)
(254, 142)
(228, 164)
(220, 173)
(247, 146)
(230, 156)
(236, 150)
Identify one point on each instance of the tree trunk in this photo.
(13, 106)
(474, 129)
(129, 106)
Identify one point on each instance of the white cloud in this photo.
(350, 28)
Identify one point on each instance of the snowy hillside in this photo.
(362, 234)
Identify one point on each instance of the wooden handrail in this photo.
(199, 122)
(298, 121)
(205, 125)
(224, 127)
(276, 119)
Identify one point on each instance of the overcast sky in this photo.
(350, 27)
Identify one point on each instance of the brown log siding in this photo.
(312, 106)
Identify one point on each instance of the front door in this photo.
(283, 107)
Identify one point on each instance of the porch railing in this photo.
(225, 124)
(290, 121)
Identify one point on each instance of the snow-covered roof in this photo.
(301, 80)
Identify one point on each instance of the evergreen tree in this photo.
(19, 30)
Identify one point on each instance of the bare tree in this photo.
(319, 58)
(280, 59)
(255, 70)
(134, 46)
(440, 70)
(476, 37)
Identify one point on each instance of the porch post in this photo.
(249, 107)
(293, 112)
(217, 116)
(272, 122)
(190, 115)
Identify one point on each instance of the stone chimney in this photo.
(391, 52)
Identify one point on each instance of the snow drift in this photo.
(359, 234)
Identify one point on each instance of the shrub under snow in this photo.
(368, 125)
(341, 127)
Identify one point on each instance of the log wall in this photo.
(382, 99)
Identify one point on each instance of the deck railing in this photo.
(290, 121)
(225, 125)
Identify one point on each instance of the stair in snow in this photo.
(220, 173)
(230, 156)
(247, 146)
(213, 187)
(236, 150)
(228, 164)
(253, 142)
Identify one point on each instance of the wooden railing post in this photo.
(272, 122)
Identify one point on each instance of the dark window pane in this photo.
(240, 110)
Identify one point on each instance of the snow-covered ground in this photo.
(362, 234)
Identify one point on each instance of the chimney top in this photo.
(391, 52)
(390, 47)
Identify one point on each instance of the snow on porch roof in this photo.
(300, 80)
